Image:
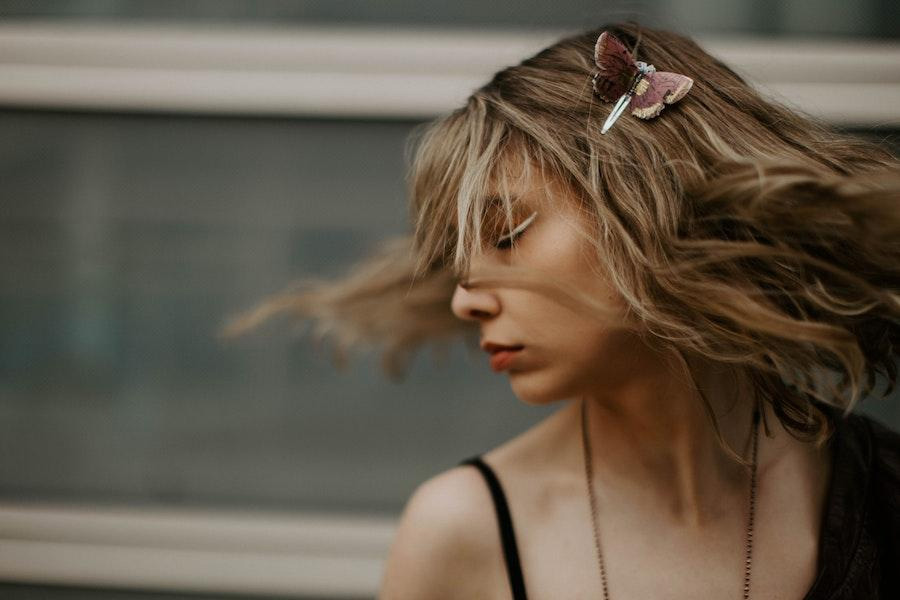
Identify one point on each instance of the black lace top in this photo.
(859, 547)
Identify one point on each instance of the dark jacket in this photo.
(859, 554)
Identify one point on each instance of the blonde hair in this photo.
(735, 228)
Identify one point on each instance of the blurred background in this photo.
(164, 165)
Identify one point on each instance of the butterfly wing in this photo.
(656, 90)
(616, 67)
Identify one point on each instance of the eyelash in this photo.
(507, 240)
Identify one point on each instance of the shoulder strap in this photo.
(507, 535)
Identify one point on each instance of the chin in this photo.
(532, 392)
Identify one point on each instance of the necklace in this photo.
(585, 438)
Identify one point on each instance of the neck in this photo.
(653, 445)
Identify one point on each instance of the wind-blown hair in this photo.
(735, 228)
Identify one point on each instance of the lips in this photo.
(502, 359)
(502, 355)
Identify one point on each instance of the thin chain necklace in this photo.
(585, 438)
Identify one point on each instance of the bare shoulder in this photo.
(440, 549)
(447, 544)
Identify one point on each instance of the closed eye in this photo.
(505, 242)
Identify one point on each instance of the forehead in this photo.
(523, 187)
(517, 178)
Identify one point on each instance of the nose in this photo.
(473, 304)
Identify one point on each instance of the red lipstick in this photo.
(502, 359)
(501, 354)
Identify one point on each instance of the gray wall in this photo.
(126, 240)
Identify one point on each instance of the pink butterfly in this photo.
(623, 80)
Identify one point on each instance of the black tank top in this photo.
(507, 534)
(859, 546)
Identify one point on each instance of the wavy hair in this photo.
(734, 227)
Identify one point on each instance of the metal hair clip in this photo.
(623, 80)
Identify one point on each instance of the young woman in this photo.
(707, 292)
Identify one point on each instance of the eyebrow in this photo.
(495, 201)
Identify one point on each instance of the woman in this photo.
(707, 292)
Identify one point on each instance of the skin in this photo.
(672, 504)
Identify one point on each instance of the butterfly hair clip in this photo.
(623, 80)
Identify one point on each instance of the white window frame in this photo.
(378, 73)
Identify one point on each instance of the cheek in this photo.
(558, 326)
(573, 357)
(564, 366)
(561, 253)
(606, 359)
(566, 327)
(580, 348)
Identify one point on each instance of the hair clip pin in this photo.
(626, 81)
